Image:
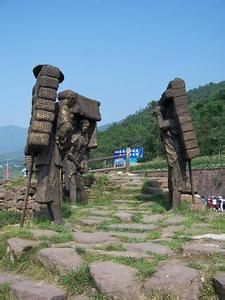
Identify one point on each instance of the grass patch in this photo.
(195, 265)
(110, 247)
(77, 282)
(5, 291)
(153, 235)
(137, 217)
(9, 217)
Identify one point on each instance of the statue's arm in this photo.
(163, 124)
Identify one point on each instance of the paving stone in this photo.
(219, 284)
(176, 220)
(135, 226)
(124, 216)
(98, 212)
(202, 248)
(90, 222)
(171, 230)
(93, 237)
(210, 236)
(152, 218)
(182, 282)
(126, 254)
(135, 235)
(115, 281)
(17, 247)
(28, 289)
(60, 260)
(9, 277)
(37, 233)
(150, 247)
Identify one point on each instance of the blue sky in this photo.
(122, 53)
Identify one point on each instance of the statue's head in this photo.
(84, 125)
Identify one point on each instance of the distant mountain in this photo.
(12, 139)
(106, 126)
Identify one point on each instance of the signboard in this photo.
(134, 153)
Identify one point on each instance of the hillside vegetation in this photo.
(207, 105)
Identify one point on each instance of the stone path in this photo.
(129, 249)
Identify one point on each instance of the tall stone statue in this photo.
(77, 122)
(178, 137)
(59, 138)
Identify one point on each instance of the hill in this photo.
(207, 105)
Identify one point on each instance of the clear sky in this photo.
(120, 52)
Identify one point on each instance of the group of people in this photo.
(216, 203)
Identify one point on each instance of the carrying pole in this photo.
(191, 181)
(27, 191)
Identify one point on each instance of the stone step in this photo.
(59, 260)
(134, 226)
(124, 254)
(149, 247)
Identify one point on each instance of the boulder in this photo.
(219, 284)
(17, 247)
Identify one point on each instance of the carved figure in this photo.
(178, 136)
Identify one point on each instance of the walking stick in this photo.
(191, 181)
(27, 191)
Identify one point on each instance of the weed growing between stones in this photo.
(77, 282)
(153, 235)
(195, 265)
(137, 217)
(5, 291)
(110, 247)
(8, 217)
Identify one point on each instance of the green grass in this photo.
(110, 247)
(137, 217)
(153, 235)
(5, 291)
(8, 217)
(195, 265)
(77, 282)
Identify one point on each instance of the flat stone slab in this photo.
(135, 235)
(182, 282)
(124, 216)
(210, 236)
(169, 231)
(90, 222)
(150, 247)
(28, 289)
(9, 278)
(152, 218)
(60, 260)
(202, 248)
(102, 213)
(134, 226)
(17, 247)
(115, 281)
(219, 284)
(38, 233)
(126, 254)
(176, 220)
(97, 237)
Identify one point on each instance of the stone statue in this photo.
(178, 137)
(41, 142)
(75, 136)
(59, 138)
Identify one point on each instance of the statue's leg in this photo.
(176, 199)
(81, 189)
(73, 189)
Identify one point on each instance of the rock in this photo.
(140, 227)
(60, 260)
(172, 278)
(17, 247)
(175, 220)
(152, 218)
(9, 278)
(37, 233)
(93, 237)
(124, 216)
(219, 284)
(126, 254)
(90, 222)
(202, 248)
(115, 281)
(210, 236)
(103, 213)
(150, 247)
(28, 289)
(171, 230)
(135, 235)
